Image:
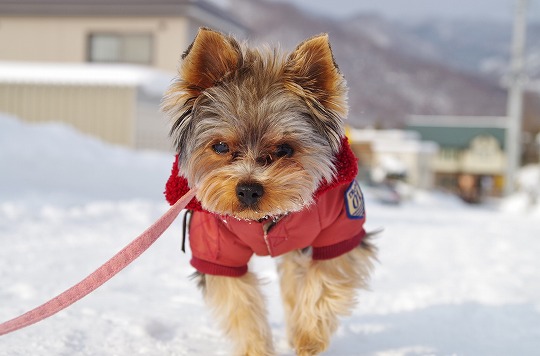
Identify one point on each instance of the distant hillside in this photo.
(477, 46)
(482, 48)
(390, 70)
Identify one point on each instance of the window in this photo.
(448, 154)
(120, 48)
(485, 146)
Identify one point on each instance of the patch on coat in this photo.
(354, 201)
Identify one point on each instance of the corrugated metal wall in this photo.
(107, 112)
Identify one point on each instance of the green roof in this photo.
(456, 137)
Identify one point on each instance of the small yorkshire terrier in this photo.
(260, 134)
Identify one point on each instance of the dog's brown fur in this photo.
(253, 102)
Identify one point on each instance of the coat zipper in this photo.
(266, 228)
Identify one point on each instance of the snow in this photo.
(526, 199)
(452, 279)
(152, 81)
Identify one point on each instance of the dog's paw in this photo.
(310, 350)
(308, 345)
(257, 350)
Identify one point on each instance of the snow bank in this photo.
(526, 199)
(53, 162)
(152, 81)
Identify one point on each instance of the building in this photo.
(394, 154)
(99, 65)
(147, 32)
(117, 103)
(471, 153)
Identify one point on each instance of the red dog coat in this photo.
(223, 245)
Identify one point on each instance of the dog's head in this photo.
(256, 131)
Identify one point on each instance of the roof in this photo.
(456, 121)
(391, 140)
(458, 131)
(113, 8)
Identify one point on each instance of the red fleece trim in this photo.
(217, 270)
(346, 168)
(336, 250)
(177, 186)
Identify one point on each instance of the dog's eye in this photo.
(284, 150)
(220, 148)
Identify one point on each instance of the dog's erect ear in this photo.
(312, 66)
(208, 59)
(313, 74)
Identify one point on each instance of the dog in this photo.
(261, 136)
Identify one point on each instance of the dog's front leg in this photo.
(317, 293)
(240, 309)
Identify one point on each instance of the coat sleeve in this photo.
(342, 216)
(216, 250)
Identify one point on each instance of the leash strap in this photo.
(110, 268)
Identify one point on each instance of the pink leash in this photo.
(110, 268)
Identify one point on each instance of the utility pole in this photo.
(514, 108)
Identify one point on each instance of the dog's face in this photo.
(256, 131)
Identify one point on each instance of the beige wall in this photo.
(103, 111)
(418, 165)
(483, 156)
(64, 39)
(447, 161)
(152, 130)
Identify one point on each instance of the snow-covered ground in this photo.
(452, 279)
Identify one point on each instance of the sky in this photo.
(420, 9)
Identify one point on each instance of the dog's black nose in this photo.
(249, 193)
